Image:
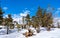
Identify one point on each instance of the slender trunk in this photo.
(7, 29)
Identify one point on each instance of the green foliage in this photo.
(39, 16)
(42, 18)
(39, 12)
(28, 19)
(35, 22)
(8, 20)
(1, 16)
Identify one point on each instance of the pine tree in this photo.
(49, 20)
(49, 15)
(34, 21)
(28, 19)
(6, 23)
(37, 20)
(39, 12)
(1, 16)
(44, 19)
(9, 21)
(39, 16)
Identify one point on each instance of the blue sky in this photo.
(20, 6)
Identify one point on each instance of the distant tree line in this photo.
(42, 18)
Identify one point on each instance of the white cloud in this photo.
(5, 15)
(25, 13)
(18, 18)
(5, 8)
(58, 9)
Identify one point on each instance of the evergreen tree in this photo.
(39, 12)
(1, 16)
(39, 16)
(28, 19)
(9, 21)
(6, 23)
(49, 18)
(37, 20)
(35, 23)
(44, 19)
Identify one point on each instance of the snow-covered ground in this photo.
(54, 33)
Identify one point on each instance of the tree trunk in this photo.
(7, 29)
